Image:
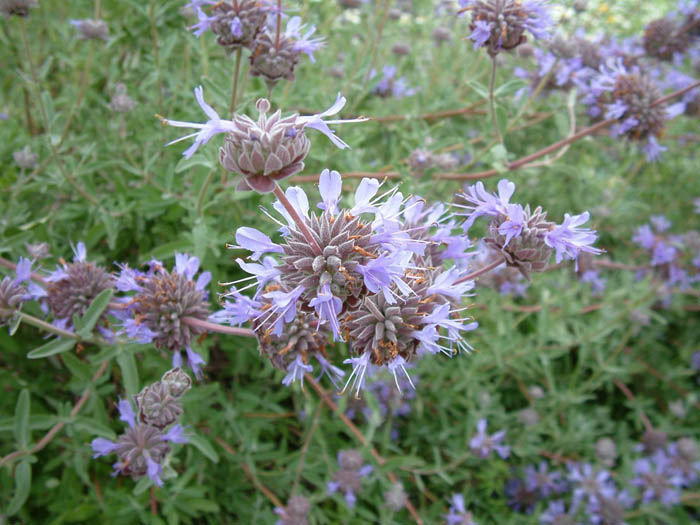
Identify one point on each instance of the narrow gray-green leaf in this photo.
(56, 346)
(23, 482)
(93, 313)
(130, 374)
(204, 446)
(22, 419)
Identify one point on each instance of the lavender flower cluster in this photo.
(143, 448)
(594, 492)
(252, 24)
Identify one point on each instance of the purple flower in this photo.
(597, 282)
(644, 237)
(194, 361)
(380, 273)
(589, 484)
(175, 435)
(154, 471)
(663, 253)
(126, 412)
(255, 241)
(358, 376)
(661, 223)
(446, 284)
(327, 308)
(653, 149)
(316, 121)
(330, 186)
(481, 33)
(482, 202)
(543, 481)
(363, 196)
(213, 126)
(458, 514)
(204, 21)
(567, 239)
(513, 225)
(284, 307)
(327, 368)
(656, 481)
(295, 371)
(482, 444)
(102, 447)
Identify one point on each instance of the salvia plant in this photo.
(321, 299)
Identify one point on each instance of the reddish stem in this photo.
(279, 25)
(481, 271)
(214, 327)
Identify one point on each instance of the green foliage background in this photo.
(139, 199)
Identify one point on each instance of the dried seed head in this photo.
(580, 5)
(394, 13)
(687, 449)
(653, 440)
(16, 7)
(606, 451)
(11, 294)
(611, 511)
(442, 34)
(121, 102)
(420, 161)
(350, 459)
(40, 250)
(239, 24)
(401, 49)
(91, 29)
(563, 46)
(271, 62)
(80, 283)
(527, 252)
(345, 243)
(348, 480)
(177, 381)
(265, 151)
(165, 298)
(536, 392)
(302, 337)
(663, 39)
(137, 445)
(589, 52)
(25, 159)
(529, 416)
(396, 497)
(296, 512)
(350, 4)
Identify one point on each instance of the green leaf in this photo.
(204, 447)
(86, 324)
(130, 374)
(23, 482)
(57, 346)
(77, 368)
(14, 323)
(22, 419)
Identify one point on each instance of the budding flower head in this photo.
(144, 445)
(121, 102)
(258, 141)
(159, 403)
(25, 158)
(16, 7)
(500, 25)
(163, 301)
(348, 480)
(91, 29)
(295, 513)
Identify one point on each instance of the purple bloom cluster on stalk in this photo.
(499, 25)
(524, 237)
(372, 275)
(143, 447)
(458, 514)
(160, 300)
(348, 479)
(390, 86)
(13, 291)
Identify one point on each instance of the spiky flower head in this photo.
(73, 287)
(371, 274)
(163, 301)
(500, 25)
(237, 25)
(664, 39)
(275, 58)
(13, 292)
(16, 7)
(441, 35)
(396, 497)
(25, 158)
(121, 102)
(91, 29)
